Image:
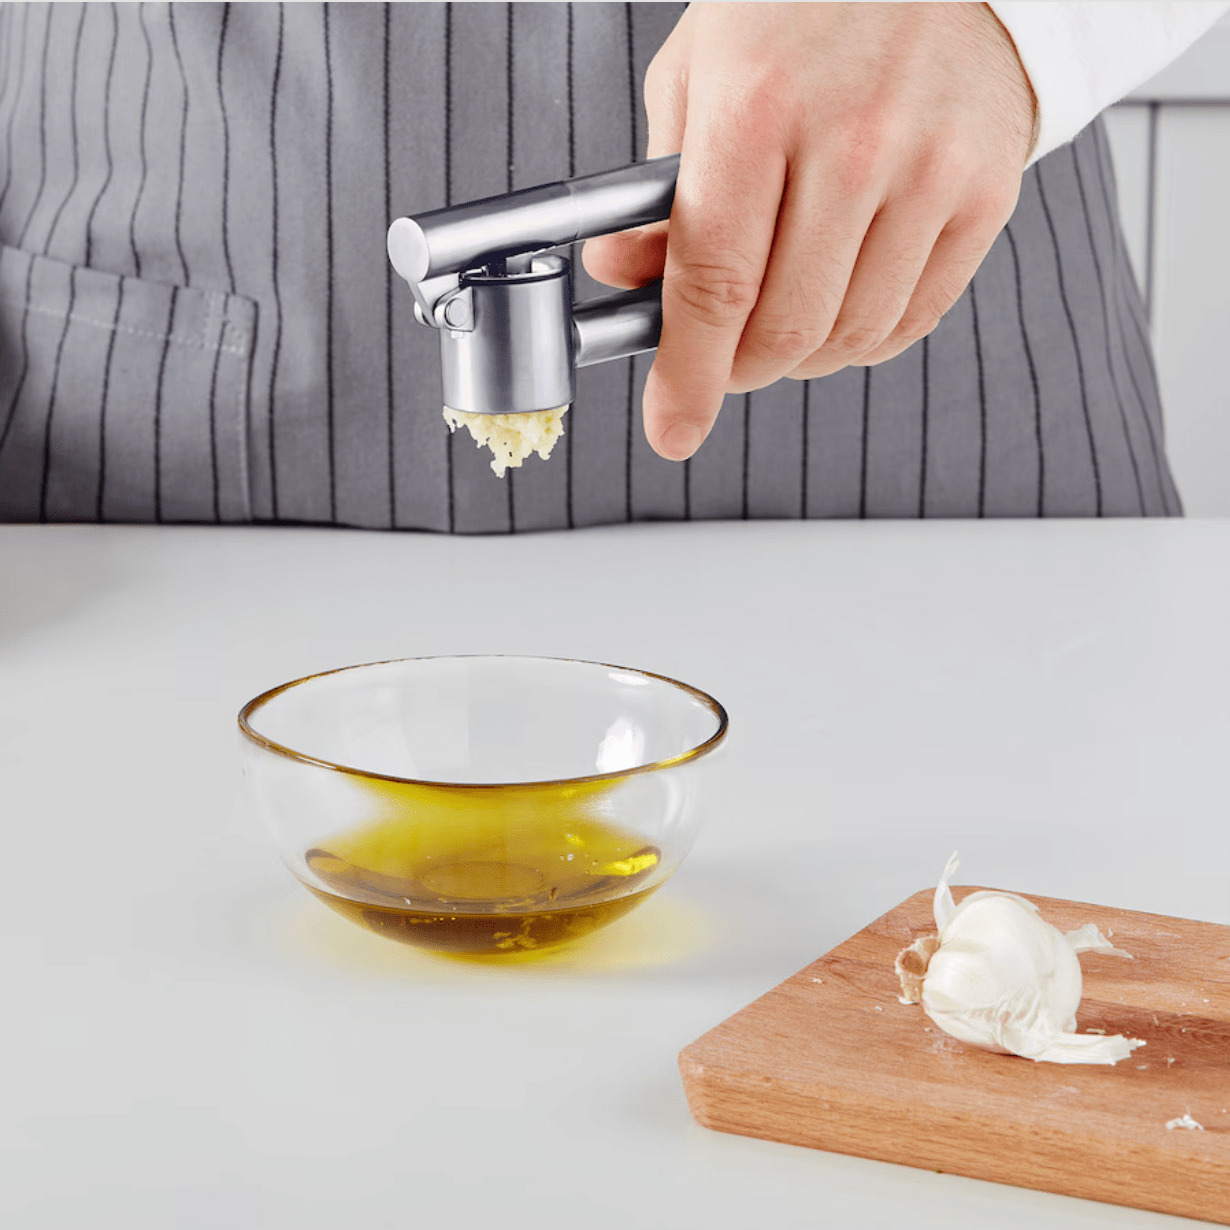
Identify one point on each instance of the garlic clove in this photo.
(911, 966)
(1021, 1024)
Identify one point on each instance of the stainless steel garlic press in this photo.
(484, 277)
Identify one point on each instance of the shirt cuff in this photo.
(1081, 57)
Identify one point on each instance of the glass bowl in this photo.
(481, 805)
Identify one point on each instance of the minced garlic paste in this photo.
(511, 437)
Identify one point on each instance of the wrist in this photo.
(1022, 75)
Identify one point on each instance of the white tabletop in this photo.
(190, 1040)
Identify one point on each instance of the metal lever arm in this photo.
(615, 326)
(448, 241)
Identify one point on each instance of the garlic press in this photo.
(485, 278)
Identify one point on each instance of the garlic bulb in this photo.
(1000, 977)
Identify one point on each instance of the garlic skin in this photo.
(1000, 977)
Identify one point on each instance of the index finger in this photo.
(731, 177)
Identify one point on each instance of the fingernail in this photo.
(679, 441)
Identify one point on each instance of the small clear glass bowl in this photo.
(481, 805)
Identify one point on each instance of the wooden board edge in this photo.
(925, 896)
(1109, 1171)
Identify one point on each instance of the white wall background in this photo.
(1171, 143)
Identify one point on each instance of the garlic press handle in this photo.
(431, 246)
(618, 325)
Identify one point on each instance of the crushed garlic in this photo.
(1000, 977)
(511, 437)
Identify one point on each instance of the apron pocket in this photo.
(120, 399)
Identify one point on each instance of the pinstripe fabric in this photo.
(198, 321)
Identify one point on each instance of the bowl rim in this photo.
(701, 749)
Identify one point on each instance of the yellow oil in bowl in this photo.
(497, 870)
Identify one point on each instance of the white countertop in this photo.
(190, 1040)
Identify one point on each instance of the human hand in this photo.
(845, 168)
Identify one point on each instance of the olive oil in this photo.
(485, 871)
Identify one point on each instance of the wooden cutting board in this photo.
(833, 1060)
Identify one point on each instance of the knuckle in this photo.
(854, 339)
(992, 200)
(922, 317)
(915, 326)
(984, 200)
(926, 311)
(816, 367)
(782, 343)
(756, 107)
(934, 173)
(890, 350)
(864, 143)
(951, 175)
(896, 281)
(715, 294)
(946, 292)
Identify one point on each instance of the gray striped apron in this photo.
(198, 322)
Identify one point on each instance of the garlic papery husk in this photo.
(1000, 977)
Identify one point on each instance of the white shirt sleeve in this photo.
(1081, 57)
